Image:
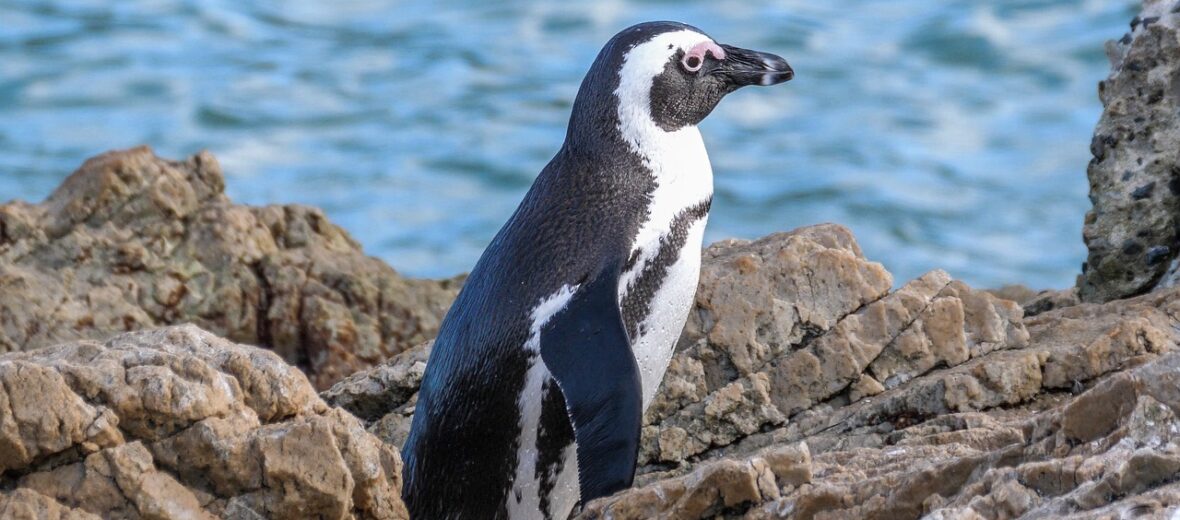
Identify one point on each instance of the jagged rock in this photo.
(384, 396)
(1036, 302)
(131, 241)
(988, 438)
(713, 488)
(23, 504)
(178, 423)
(803, 387)
(1135, 173)
(865, 339)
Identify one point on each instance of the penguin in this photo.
(532, 397)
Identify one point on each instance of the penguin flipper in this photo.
(586, 348)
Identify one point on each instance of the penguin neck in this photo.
(677, 160)
(611, 125)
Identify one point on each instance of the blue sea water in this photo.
(945, 133)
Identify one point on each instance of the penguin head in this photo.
(672, 75)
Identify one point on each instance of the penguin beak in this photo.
(743, 67)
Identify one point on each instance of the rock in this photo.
(1037, 302)
(1015, 292)
(804, 387)
(987, 438)
(866, 340)
(131, 241)
(384, 396)
(23, 504)
(1048, 300)
(1134, 175)
(178, 423)
(714, 488)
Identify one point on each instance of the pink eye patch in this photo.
(695, 57)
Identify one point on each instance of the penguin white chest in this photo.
(663, 292)
(660, 279)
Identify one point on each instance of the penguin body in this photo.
(533, 394)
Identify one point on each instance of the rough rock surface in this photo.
(131, 241)
(1036, 302)
(1079, 422)
(1133, 231)
(178, 423)
(803, 387)
(794, 320)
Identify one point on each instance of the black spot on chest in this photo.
(555, 434)
(637, 303)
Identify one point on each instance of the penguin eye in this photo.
(694, 58)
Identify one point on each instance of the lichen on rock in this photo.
(1133, 230)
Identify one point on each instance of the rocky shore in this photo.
(161, 350)
(131, 241)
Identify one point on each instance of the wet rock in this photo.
(1131, 232)
(131, 241)
(178, 423)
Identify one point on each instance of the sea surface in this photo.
(946, 133)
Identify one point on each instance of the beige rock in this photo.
(1036, 302)
(384, 396)
(714, 488)
(178, 423)
(24, 504)
(864, 387)
(131, 241)
(914, 451)
(931, 321)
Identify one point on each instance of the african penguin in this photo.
(532, 396)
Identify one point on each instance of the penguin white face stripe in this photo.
(641, 64)
(524, 500)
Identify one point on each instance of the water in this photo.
(945, 133)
